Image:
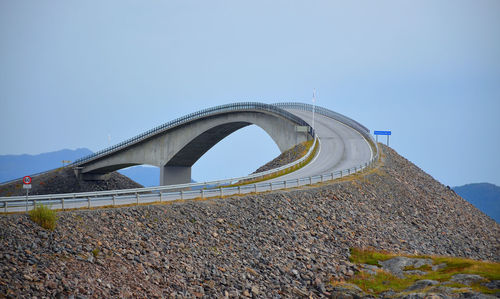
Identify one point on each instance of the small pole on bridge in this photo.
(314, 106)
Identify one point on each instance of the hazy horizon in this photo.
(92, 74)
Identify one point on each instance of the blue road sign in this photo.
(382, 132)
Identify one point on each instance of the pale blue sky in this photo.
(74, 72)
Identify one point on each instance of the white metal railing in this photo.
(166, 193)
(197, 190)
(87, 196)
(235, 107)
(365, 132)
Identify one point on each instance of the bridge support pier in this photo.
(172, 175)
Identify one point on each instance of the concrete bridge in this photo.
(174, 147)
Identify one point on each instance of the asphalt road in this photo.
(341, 147)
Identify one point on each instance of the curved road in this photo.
(342, 147)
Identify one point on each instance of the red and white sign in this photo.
(27, 180)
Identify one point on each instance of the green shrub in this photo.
(95, 252)
(44, 216)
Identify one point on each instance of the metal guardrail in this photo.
(75, 196)
(207, 189)
(150, 195)
(365, 132)
(243, 107)
(239, 107)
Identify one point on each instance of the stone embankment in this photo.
(285, 158)
(287, 244)
(63, 180)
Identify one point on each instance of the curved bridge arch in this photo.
(177, 147)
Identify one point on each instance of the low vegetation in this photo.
(383, 281)
(44, 216)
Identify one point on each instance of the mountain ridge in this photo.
(17, 166)
(484, 196)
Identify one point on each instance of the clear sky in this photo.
(94, 73)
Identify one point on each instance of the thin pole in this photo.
(314, 106)
(27, 199)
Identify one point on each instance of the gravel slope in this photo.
(284, 158)
(64, 181)
(275, 245)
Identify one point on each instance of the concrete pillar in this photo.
(172, 175)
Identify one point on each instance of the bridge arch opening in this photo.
(239, 154)
(176, 149)
(178, 170)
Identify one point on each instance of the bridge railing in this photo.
(166, 193)
(203, 190)
(365, 132)
(13, 201)
(242, 106)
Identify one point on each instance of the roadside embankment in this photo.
(286, 157)
(63, 180)
(284, 244)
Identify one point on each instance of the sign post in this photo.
(27, 186)
(387, 133)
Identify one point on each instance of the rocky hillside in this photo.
(286, 157)
(277, 245)
(63, 180)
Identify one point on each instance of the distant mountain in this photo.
(484, 196)
(16, 166)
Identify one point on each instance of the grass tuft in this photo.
(44, 216)
(95, 252)
(368, 256)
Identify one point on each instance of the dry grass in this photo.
(44, 216)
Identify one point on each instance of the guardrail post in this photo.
(5, 206)
(298, 182)
(202, 193)
(271, 186)
(34, 203)
(239, 189)
(255, 187)
(322, 179)
(161, 196)
(285, 184)
(88, 200)
(221, 192)
(114, 200)
(137, 198)
(62, 203)
(349, 171)
(182, 194)
(310, 180)
(341, 173)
